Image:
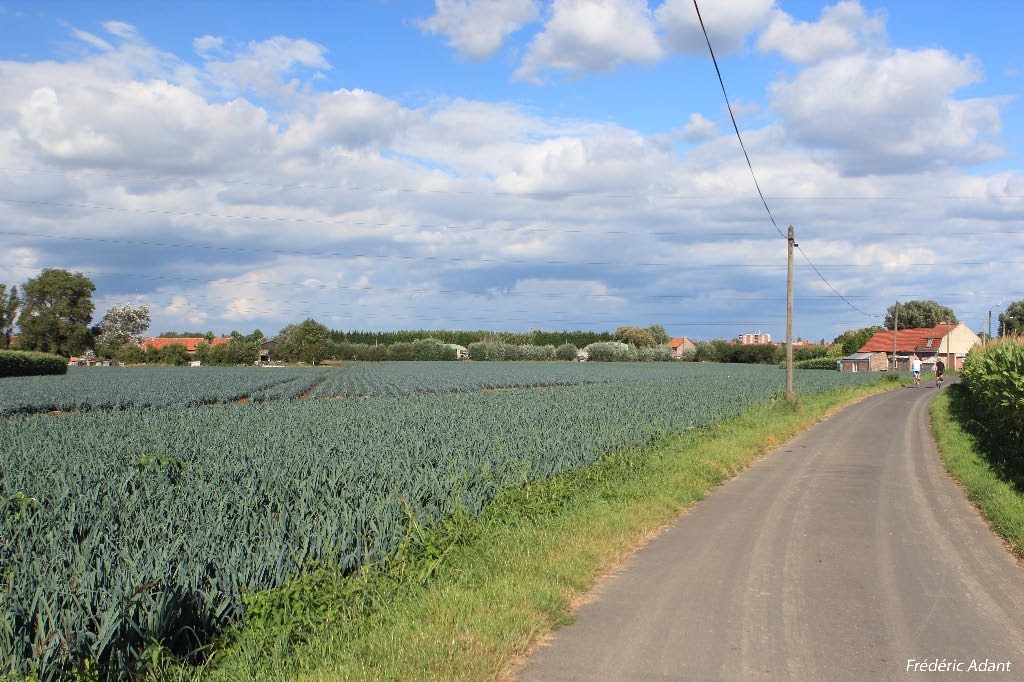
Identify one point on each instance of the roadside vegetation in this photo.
(468, 599)
(979, 426)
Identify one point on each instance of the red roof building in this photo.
(681, 344)
(948, 341)
(191, 343)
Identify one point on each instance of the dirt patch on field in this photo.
(309, 394)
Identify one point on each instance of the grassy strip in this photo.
(994, 480)
(467, 601)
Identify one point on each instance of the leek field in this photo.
(157, 500)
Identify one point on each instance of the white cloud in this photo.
(207, 46)
(476, 28)
(890, 114)
(844, 28)
(261, 67)
(350, 118)
(699, 129)
(142, 125)
(581, 36)
(122, 30)
(92, 39)
(728, 24)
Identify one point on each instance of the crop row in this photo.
(151, 525)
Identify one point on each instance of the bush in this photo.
(656, 354)
(611, 351)
(815, 363)
(566, 351)
(18, 363)
(499, 350)
(421, 349)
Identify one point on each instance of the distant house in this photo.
(948, 342)
(191, 343)
(461, 352)
(680, 345)
(757, 339)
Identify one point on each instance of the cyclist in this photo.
(940, 369)
(915, 367)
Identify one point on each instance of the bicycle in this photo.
(917, 379)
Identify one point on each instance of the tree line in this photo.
(52, 313)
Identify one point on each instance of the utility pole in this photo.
(790, 396)
(948, 366)
(895, 331)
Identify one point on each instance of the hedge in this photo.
(19, 363)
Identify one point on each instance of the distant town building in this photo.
(757, 339)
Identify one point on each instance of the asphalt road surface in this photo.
(847, 554)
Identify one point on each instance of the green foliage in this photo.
(849, 342)
(56, 309)
(344, 350)
(9, 303)
(1011, 320)
(636, 336)
(994, 376)
(611, 351)
(919, 314)
(566, 351)
(816, 363)
(237, 351)
(661, 337)
(421, 349)
(655, 354)
(172, 354)
(719, 350)
(303, 342)
(465, 338)
(499, 350)
(16, 363)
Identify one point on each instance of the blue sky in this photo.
(514, 164)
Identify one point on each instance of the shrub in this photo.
(18, 363)
(611, 351)
(656, 354)
(566, 351)
(421, 349)
(814, 363)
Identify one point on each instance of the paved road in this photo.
(841, 556)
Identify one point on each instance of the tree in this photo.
(635, 336)
(8, 314)
(56, 310)
(918, 314)
(659, 334)
(306, 341)
(1011, 321)
(122, 326)
(849, 342)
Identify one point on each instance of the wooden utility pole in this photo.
(790, 395)
(895, 331)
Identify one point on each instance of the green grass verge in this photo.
(467, 601)
(991, 475)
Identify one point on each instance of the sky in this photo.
(515, 164)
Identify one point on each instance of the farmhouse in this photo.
(191, 343)
(948, 342)
(681, 345)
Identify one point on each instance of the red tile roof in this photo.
(907, 340)
(190, 342)
(679, 341)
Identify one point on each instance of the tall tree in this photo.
(122, 326)
(306, 341)
(56, 310)
(918, 314)
(659, 334)
(1011, 320)
(8, 314)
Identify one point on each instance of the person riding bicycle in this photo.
(915, 367)
(940, 369)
